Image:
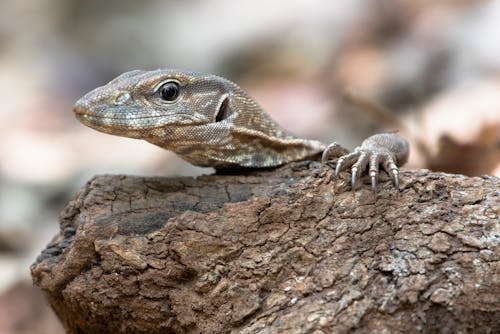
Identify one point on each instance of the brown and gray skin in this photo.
(211, 122)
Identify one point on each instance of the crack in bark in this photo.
(278, 252)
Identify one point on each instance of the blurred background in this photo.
(328, 70)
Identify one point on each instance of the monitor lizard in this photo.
(212, 122)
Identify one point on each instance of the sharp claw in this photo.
(396, 178)
(324, 157)
(340, 162)
(374, 182)
(353, 178)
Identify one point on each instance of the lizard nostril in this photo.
(122, 98)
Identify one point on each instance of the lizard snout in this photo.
(78, 110)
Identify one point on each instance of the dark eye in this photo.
(169, 91)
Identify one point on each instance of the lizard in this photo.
(211, 122)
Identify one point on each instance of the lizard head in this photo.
(206, 119)
(138, 103)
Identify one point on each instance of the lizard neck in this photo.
(230, 145)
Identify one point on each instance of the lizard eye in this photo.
(169, 91)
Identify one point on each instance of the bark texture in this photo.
(284, 251)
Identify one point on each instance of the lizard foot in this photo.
(359, 159)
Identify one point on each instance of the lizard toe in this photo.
(374, 170)
(346, 161)
(358, 167)
(391, 169)
(334, 150)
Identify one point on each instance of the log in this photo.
(289, 250)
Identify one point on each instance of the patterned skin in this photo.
(211, 122)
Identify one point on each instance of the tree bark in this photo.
(289, 250)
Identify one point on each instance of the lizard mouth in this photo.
(81, 115)
(114, 124)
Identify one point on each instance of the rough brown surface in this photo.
(288, 250)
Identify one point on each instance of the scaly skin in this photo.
(211, 122)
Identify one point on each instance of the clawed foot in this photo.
(359, 159)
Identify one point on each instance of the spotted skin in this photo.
(211, 122)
